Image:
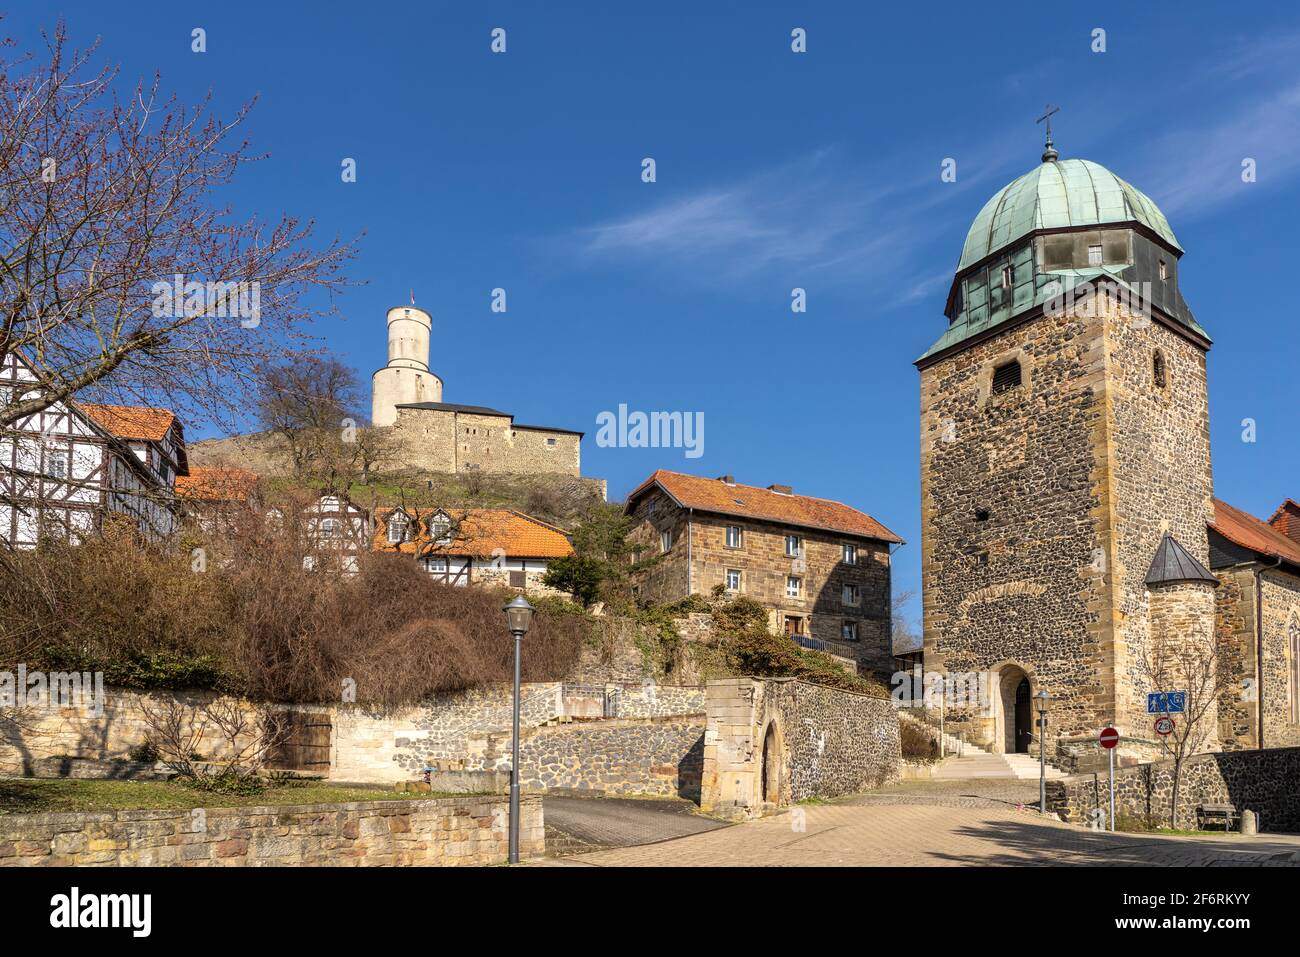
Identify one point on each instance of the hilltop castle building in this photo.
(1068, 508)
(443, 437)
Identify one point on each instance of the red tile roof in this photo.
(747, 501)
(1244, 529)
(137, 422)
(212, 484)
(1287, 519)
(478, 532)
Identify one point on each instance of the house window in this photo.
(793, 586)
(793, 625)
(850, 554)
(665, 540)
(1008, 276)
(440, 529)
(1006, 377)
(793, 546)
(849, 631)
(734, 536)
(437, 566)
(1159, 374)
(331, 528)
(56, 465)
(733, 579)
(550, 441)
(518, 579)
(851, 595)
(1094, 255)
(397, 529)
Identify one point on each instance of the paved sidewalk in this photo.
(911, 833)
(618, 822)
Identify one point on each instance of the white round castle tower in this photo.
(406, 378)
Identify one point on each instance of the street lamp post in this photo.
(1043, 697)
(519, 615)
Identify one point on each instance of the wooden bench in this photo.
(1226, 814)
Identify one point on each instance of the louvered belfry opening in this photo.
(1006, 377)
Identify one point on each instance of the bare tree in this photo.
(1188, 663)
(243, 738)
(902, 634)
(310, 403)
(123, 276)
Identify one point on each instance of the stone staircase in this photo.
(978, 763)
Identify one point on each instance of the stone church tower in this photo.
(1065, 462)
(406, 378)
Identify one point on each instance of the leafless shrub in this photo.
(219, 745)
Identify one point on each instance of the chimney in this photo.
(783, 489)
(729, 479)
(1287, 520)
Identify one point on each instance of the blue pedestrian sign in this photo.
(1166, 702)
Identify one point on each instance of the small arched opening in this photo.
(1015, 711)
(770, 782)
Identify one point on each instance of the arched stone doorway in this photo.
(1014, 702)
(770, 774)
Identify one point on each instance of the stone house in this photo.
(1257, 618)
(482, 546)
(821, 567)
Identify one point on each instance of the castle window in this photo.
(735, 537)
(981, 558)
(793, 586)
(849, 631)
(851, 595)
(1094, 255)
(665, 540)
(1293, 632)
(550, 441)
(733, 579)
(1006, 377)
(1164, 271)
(981, 514)
(850, 553)
(1008, 276)
(1159, 374)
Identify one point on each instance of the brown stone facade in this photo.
(1043, 505)
(830, 594)
(1260, 678)
(446, 441)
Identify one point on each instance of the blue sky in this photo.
(774, 170)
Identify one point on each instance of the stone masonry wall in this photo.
(1266, 782)
(1281, 604)
(440, 832)
(444, 441)
(780, 741)
(1043, 505)
(1234, 630)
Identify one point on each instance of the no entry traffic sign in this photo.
(1164, 725)
(1109, 737)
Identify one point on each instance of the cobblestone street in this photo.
(951, 823)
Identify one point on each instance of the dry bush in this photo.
(268, 614)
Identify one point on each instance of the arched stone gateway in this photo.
(1013, 701)
(770, 779)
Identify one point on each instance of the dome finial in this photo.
(1049, 153)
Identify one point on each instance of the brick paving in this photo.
(956, 824)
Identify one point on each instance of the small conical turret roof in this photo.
(1174, 564)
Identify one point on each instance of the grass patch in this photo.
(60, 795)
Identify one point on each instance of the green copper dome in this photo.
(1058, 194)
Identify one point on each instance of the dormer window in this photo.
(397, 526)
(1008, 276)
(440, 529)
(1164, 271)
(1094, 255)
(1006, 377)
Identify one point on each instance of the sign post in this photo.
(1110, 738)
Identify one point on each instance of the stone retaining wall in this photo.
(437, 832)
(1266, 782)
(779, 741)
